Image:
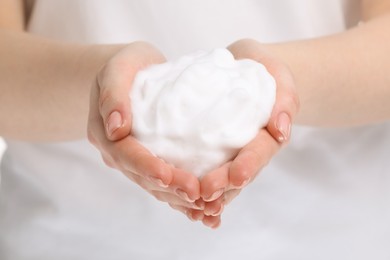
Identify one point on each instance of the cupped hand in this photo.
(109, 129)
(222, 185)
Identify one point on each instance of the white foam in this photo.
(198, 111)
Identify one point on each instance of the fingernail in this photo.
(114, 122)
(283, 124)
(189, 215)
(242, 185)
(182, 194)
(197, 215)
(215, 195)
(200, 204)
(158, 181)
(219, 212)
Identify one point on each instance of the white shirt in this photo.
(325, 196)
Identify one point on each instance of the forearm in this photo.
(344, 79)
(45, 86)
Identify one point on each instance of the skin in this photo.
(63, 78)
(42, 80)
(360, 78)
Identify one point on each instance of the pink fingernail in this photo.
(200, 204)
(182, 194)
(189, 215)
(114, 122)
(197, 216)
(158, 181)
(283, 124)
(243, 184)
(215, 195)
(219, 212)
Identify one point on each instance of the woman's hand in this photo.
(220, 186)
(109, 129)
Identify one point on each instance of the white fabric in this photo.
(326, 196)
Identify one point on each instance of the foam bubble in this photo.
(198, 111)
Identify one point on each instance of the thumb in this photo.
(115, 81)
(287, 100)
(286, 105)
(114, 102)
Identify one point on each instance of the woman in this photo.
(325, 195)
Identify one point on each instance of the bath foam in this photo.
(198, 111)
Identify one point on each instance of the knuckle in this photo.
(160, 169)
(242, 170)
(242, 175)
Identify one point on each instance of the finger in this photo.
(146, 183)
(196, 215)
(215, 208)
(214, 183)
(253, 157)
(286, 104)
(165, 196)
(192, 214)
(115, 80)
(127, 154)
(230, 195)
(94, 120)
(185, 185)
(183, 210)
(287, 100)
(131, 156)
(211, 221)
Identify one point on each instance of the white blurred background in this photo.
(2, 148)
